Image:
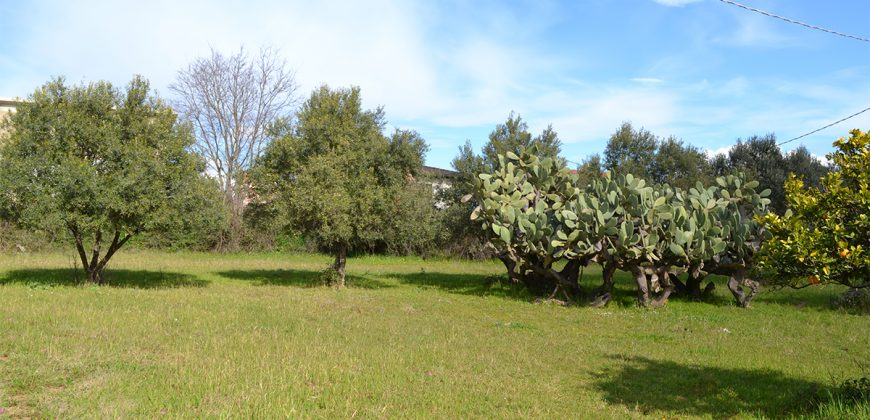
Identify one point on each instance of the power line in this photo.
(752, 9)
(831, 124)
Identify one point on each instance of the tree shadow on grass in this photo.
(820, 299)
(464, 284)
(298, 278)
(134, 279)
(661, 385)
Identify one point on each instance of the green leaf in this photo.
(505, 235)
(677, 250)
(475, 214)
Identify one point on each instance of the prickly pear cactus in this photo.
(535, 215)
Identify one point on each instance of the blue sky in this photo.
(703, 71)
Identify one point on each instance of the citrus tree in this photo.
(825, 235)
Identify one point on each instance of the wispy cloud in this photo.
(755, 31)
(675, 3)
(647, 80)
(454, 71)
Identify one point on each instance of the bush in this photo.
(14, 239)
(854, 300)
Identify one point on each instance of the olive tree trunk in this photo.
(339, 266)
(97, 263)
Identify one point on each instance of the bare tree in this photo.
(231, 101)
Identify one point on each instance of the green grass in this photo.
(194, 334)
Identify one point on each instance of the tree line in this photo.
(234, 163)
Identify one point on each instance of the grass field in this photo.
(194, 335)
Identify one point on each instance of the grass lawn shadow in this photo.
(662, 385)
(819, 299)
(298, 278)
(134, 279)
(464, 284)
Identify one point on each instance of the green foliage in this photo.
(463, 236)
(536, 215)
(630, 151)
(513, 135)
(341, 182)
(14, 238)
(679, 165)
(94, 161)
(196, 218)
(589, 170)
(825, 235)
(761, 159)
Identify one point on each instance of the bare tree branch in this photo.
(231, 100)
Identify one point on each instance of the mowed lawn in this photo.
(198, 335)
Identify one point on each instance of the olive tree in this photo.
(99, 163)
(339, 180)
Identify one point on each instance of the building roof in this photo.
(438, 172)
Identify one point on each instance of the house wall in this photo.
(7, 106)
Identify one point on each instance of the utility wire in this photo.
(752, 9)
(831, 124)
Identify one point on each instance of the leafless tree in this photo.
(231, 101)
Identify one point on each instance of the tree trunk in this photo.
(339, 265)
(736, 281)
(571, 273)
(94, 276)
(511, 267)
(604, 293)
(664, 279)
(94, 268)
(642, 285)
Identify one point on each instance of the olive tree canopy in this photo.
(342, 182)
(98, 163)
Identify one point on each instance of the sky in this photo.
(703, 71)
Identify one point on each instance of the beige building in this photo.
(7, 106)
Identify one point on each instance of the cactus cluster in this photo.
(536, 214)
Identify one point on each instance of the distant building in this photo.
(440, 180)
(7, 106)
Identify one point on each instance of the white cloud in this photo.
(722, 150)
(647, 80)
(675, 3)
(449, 78)
(755, 31)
